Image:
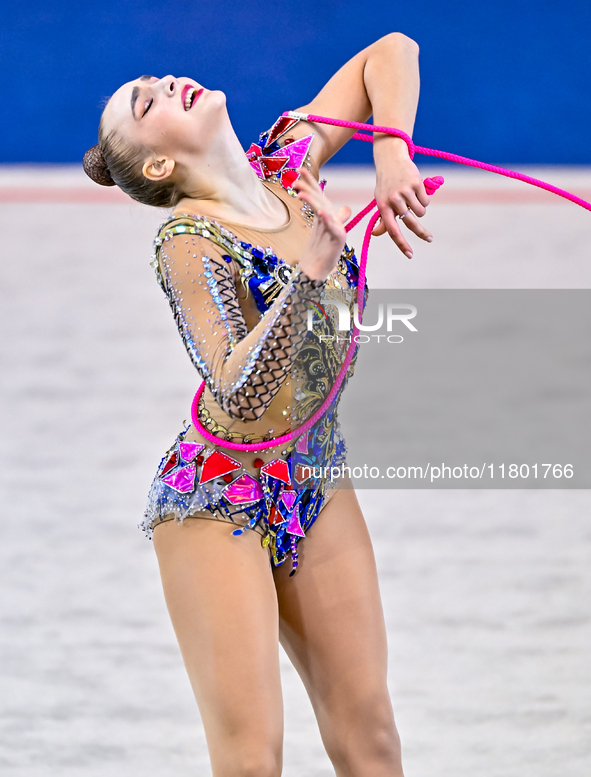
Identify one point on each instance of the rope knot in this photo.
(432, 184)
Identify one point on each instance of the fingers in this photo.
(415, 226)
(402, 205)
(422, 196)
(344, 214)
(411, 222)
(332, 224)
(309, 191)
(390, 223)
(400, 202)
(413, 202)
(379, 229)
(407, 198)
(307, 182)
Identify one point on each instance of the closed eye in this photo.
(147, 106)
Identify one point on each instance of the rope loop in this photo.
(431, 186)
(356, 125)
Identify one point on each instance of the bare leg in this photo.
(222, 601)
(332, 627)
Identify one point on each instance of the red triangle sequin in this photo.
(216, 465)
(171, 463)
(272, 165)
(254, 151)
(278, 469)
(281, 126)
(303, 473)
(275, 516)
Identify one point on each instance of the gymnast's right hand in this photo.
(328, 233)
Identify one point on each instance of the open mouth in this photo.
(190, 95)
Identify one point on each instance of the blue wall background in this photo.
(501, 81)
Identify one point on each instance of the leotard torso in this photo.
(241, 306)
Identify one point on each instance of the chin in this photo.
(217, 98)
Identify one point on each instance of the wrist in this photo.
(389, 147)
(301, 277)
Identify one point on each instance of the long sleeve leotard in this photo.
(243, 369)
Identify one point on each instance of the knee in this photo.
(251, 762)
(366, 738)
(259, 767)
(382, 744)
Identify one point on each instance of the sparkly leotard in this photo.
(242, 305)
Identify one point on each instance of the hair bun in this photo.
(96, 168)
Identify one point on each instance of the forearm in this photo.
(250, 376)
(383, 80)
(391, 79)
(243, 369)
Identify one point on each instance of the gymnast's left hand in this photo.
(399, 186)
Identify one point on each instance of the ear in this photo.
(158, 169)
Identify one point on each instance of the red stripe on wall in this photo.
(71, 195)
(113, 196)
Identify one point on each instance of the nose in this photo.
(169, 84)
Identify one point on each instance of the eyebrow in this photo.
(136, 93)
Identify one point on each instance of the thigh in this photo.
(332, 627)
(222, 601)
(237, 520)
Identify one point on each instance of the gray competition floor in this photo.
(487, 593)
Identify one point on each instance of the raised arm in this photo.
(383, 80)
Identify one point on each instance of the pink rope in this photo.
(460, 160)
(361, 215)
(431, 186)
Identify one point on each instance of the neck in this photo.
(226, 186)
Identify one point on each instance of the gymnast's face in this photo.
(172, 117)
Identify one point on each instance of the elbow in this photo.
(247, 410)
(245, 414)
(399, 39)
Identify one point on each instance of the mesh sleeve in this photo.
(243, 369)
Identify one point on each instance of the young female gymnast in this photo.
(251, 246)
